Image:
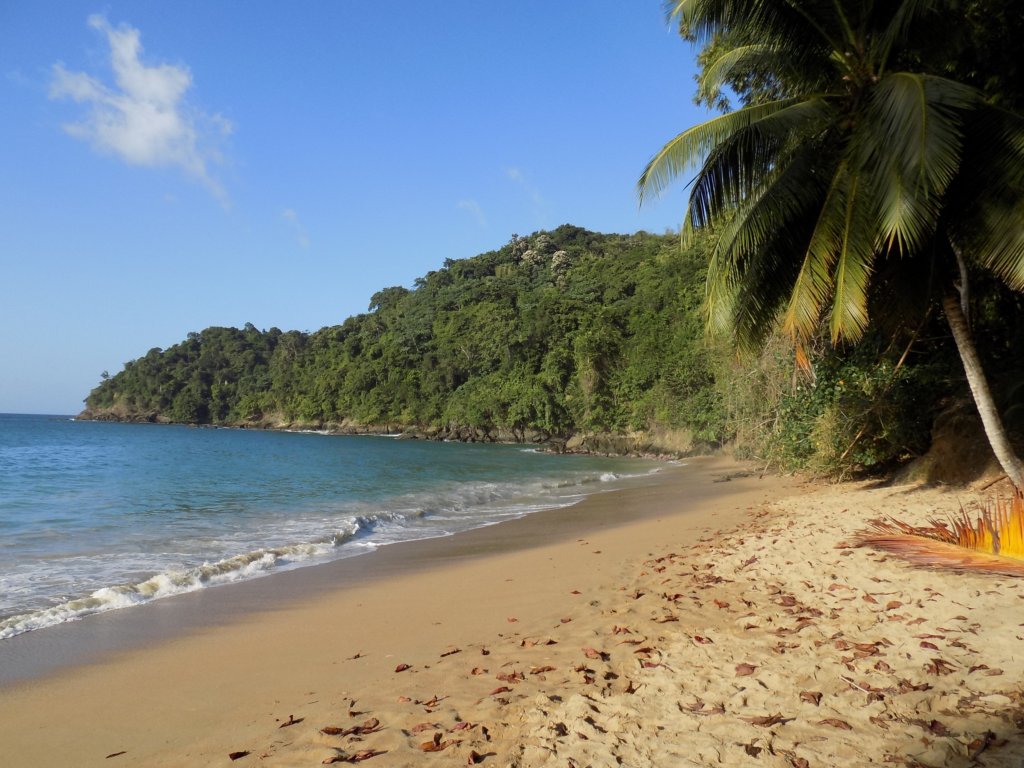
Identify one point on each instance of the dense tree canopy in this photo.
(559, 332)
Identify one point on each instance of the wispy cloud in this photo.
(144, 118)
(516, 175)
(474, 209)
(289, 215)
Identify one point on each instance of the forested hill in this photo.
(559, 333)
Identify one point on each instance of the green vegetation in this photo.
(866, 176)
(563, 332)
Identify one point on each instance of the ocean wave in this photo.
(356, 527)
(177, 582)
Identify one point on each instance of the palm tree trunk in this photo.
(990, 418)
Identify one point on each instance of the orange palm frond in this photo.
(992, 542)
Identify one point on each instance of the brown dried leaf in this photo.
(835, 722)
(593, 653)
(435, 744)
(768, 720)
(421, 727)
(813, 697)
(125, 752)
(744, 669)
(403, 667)
(232, 755)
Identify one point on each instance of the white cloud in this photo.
(289, 215)
(517, 176)
(473, 207)
(144, 118)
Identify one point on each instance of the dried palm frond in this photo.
(993, 542)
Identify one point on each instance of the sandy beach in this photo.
(705, 617)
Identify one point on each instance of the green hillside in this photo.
(553, 334)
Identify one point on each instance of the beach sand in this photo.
(686, 621)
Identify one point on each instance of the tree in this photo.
(856, 180)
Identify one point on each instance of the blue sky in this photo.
(172, 166)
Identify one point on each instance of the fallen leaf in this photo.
(404, 699)
(462, 725)
(744, 669)
(511, 619)
(768, 720)
(812, 697)
(702, 640)
(358, 757)
(451, 652)
(929, 646)
(421, 727)
(836, 723)
(938, 728)
(125, 752)
(593, 653)
(751, 750)
(500, 689)
(435, 745)
(403, 667)
(541, 670)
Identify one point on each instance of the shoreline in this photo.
(97, 665)
(686, 622)
(94, 637)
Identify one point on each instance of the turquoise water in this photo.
(98, 516)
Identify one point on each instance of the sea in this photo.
(99, 516)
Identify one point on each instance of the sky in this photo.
(169, 166)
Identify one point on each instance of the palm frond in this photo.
(791, 192)
(911, 142)
(989, 194)
(849, 316)
(992, 542)
(814, 282)
(896, 30)
(742, 166)
(742, 59)
(689, 147)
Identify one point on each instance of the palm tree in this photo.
(847, 181)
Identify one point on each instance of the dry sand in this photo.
(687, 622)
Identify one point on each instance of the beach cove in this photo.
(686, 620)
